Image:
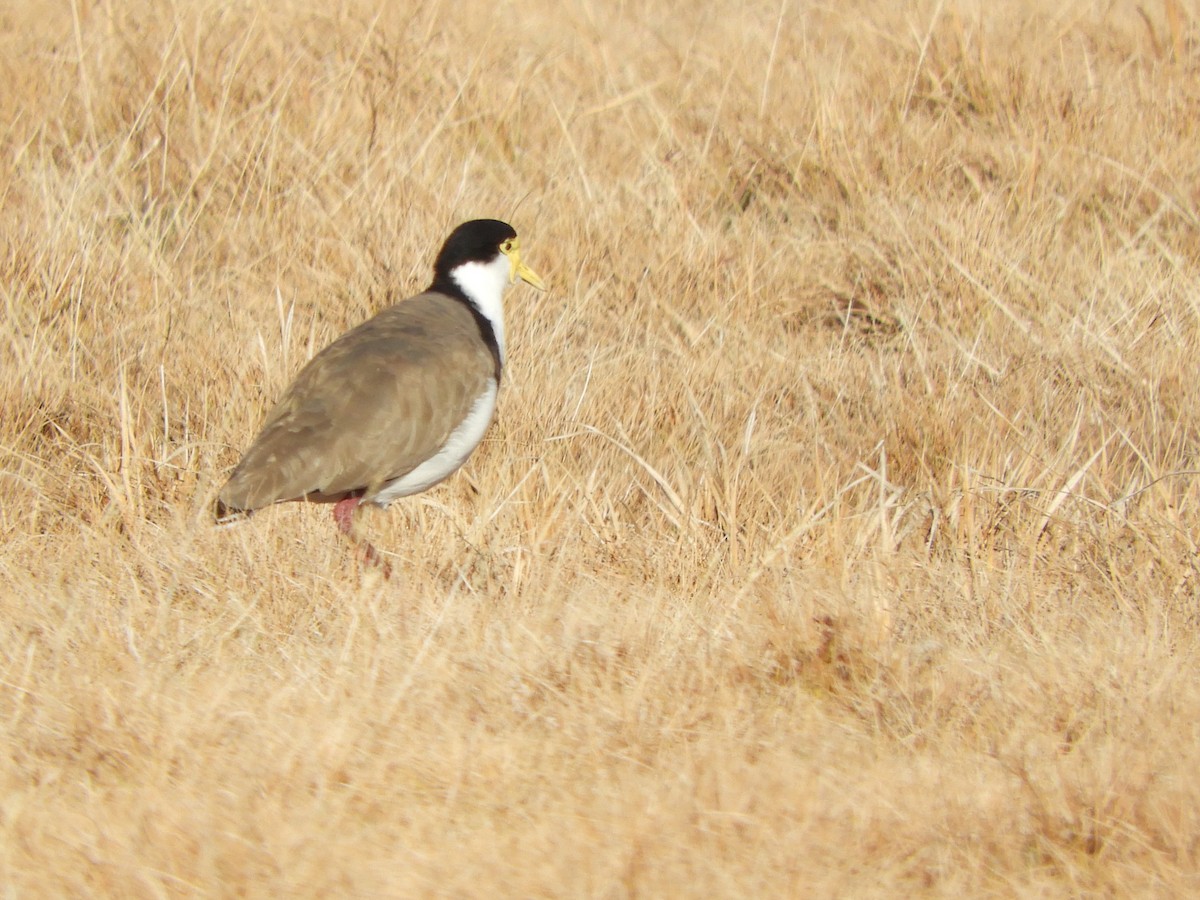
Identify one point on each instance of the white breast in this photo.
(484, 285)
(464, 439)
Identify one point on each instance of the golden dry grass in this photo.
(837, 536)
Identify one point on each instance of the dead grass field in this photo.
(838, 532)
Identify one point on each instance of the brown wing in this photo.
(370, 407)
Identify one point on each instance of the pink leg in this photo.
(343, 514)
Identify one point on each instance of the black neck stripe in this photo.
(449, 287)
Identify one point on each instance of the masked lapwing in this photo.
(397, 404)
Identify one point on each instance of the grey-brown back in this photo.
(370, 407)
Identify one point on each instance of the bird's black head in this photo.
(476, 241)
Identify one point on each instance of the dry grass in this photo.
(838, 533)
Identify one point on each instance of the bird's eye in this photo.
(506, 246)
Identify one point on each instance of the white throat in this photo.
(484, 285)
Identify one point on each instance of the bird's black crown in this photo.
(476, 241)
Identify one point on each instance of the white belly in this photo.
(462, 441)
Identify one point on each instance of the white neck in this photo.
(484, 285)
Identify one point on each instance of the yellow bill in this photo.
(517, 269)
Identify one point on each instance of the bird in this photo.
(397, 404)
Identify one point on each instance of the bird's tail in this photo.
(225, 516)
